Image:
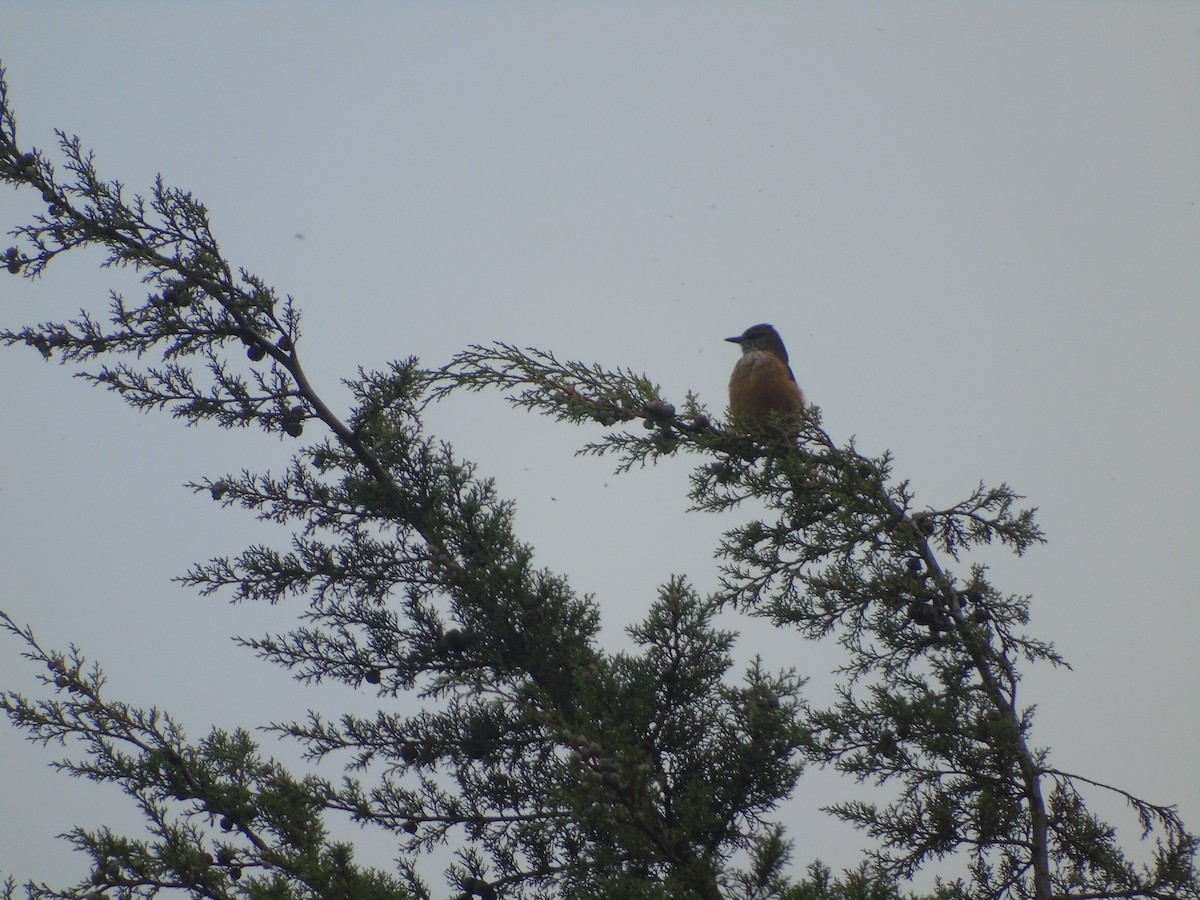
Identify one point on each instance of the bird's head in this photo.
(762, 338)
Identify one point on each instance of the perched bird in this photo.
(762, 382)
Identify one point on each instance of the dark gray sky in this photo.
(975, 226)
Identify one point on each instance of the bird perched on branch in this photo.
(762, 383)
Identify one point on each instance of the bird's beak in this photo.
(736, 340)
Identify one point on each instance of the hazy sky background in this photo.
(975, 226)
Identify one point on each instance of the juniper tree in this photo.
(552, 766)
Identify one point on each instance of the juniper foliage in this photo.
(551, 766)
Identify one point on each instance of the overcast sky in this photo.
(975, 226)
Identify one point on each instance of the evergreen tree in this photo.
(553, 767)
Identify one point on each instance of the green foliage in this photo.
(928, 690)
(221, 819)
(551, 766)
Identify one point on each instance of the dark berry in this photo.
(922, 613)
(887, 743)
(456, 640)
(659, 411)
(255, 353)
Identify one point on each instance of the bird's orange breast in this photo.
(762, 384)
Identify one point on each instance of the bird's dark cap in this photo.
(752, 332)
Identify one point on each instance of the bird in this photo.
(762, 383)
